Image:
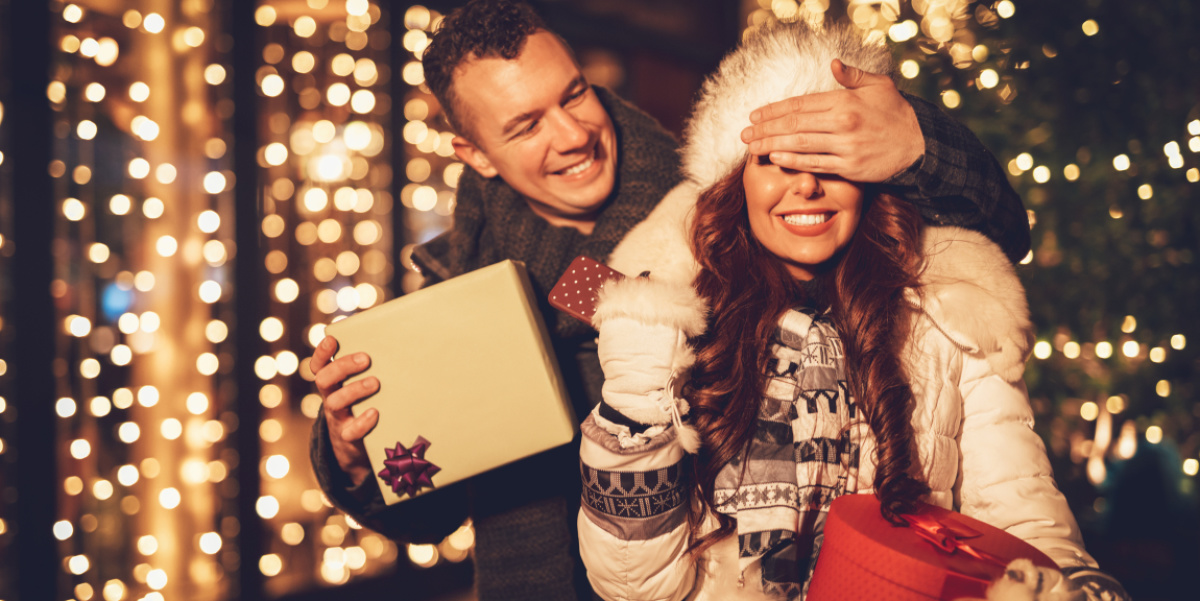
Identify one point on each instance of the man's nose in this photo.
(569, 133)
(805, 185)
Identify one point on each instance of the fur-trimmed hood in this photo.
(776, 62)
(969, 290)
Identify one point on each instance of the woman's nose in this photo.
(805, 185)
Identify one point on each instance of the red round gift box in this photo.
(866, 557)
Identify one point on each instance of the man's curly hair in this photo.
(480, 29)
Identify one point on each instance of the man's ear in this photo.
(470, 154)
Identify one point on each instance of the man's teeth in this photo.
(580, 168)
(806, 218)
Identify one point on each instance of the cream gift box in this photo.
(467, 367)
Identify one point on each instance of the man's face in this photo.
(537, 124)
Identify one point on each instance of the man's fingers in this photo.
(333, 374)
(853, 77)
(809, 143)
(358, 427)
(810, 163)
(323, 353)
(342, 398)
(811, 103)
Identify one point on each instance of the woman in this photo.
(845, 350)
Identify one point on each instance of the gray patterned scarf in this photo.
(804, 451)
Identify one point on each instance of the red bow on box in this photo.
(949, 536)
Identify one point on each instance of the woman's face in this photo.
(802, 218)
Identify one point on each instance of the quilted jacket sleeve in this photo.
(633, 519)
(1006, 477)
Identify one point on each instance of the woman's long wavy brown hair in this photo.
(748, 289)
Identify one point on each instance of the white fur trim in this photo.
(774, 63)
(659, 244)
(972, 294)
(652, 302)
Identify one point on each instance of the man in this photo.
(560, 169)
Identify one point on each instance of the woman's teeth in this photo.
(806, 218)
(580, 168)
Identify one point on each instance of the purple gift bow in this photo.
(406, 470)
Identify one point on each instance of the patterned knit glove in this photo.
(643, 348)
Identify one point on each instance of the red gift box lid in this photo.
(942, 554)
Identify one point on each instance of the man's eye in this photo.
(577, 95)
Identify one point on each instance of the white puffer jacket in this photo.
(972, 418)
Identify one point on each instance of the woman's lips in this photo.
(809, 224)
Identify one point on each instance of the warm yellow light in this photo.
(148, 396)
(287, 290)
(102, 489)
(1104, 349)
(270, 430)
(89, 368)
(1193, 175)
(122, 398)
(267, 507)
(154, 23)
(214, 182)
(1024, 161)
(270, 565)
(210, 291)
(338, 94)
(292, 533)
(169, 498)
(80, 448)
(127, 475)
(107, 51)
(129, 432)
(1091, 27)
(1154, 435)
(271, 329)
(212, 431)
(305, 26)
(423, 555)
(101, 406)
(147, 545)
(1163, 388)
(65, 407)
(94, 92)
(214, 74)
(272, 85)
(1041, 174)
(368, 295)
(1158, 354)
(78, 564)
(114, 590)
(79, 326)
(216, 331)
(1178, 342)
(275, 154)
(277, 466)
(1089, 411)
(265, 16)
(121, 354)
(63, 530)
(1191, 467)
(73, 485)
(316, 199)
(362, 101)
(1130, 348)
(72, 13)
(1145, 192)
(171, 429)
(131, 19)
(264, 367)
(357, 135)
(413, 73)
(156, 579)
(1071, 172)
(153, 208)
(303, 61)
(1129, 324)
(330, 168)
(287, 362)
(424, 198)
(193, 36)
(1121, 162)
(166, 246)
(1071, 350)
(210, 543)
(139, 168)
(1115, 404)
(86, 130)
(207, 364)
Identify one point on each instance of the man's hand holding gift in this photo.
(346, 431)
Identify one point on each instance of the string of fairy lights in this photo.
(141, 270)
(143, 257)
(6, 536)
(946, 27)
